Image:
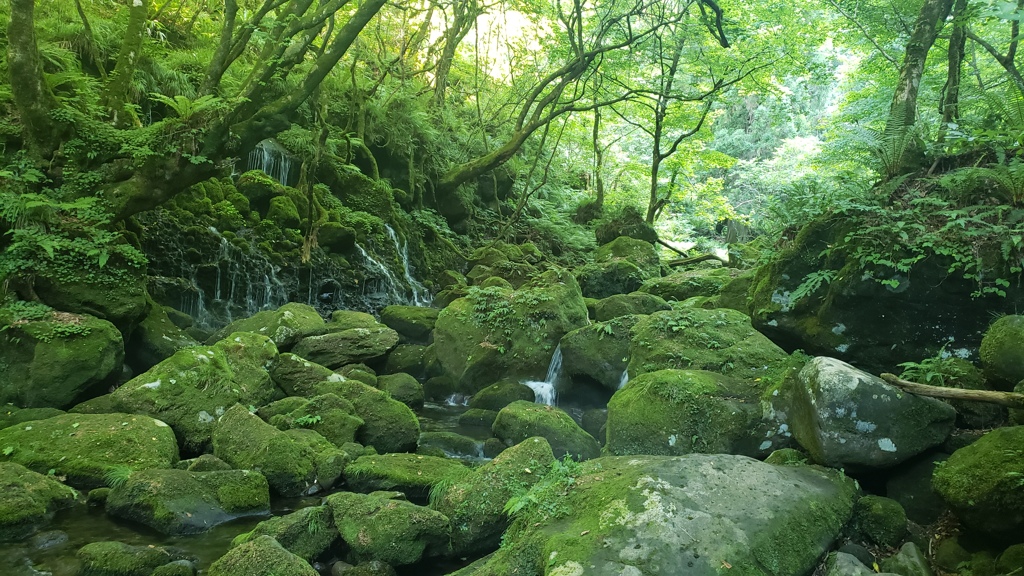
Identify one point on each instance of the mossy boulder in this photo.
(298, 376)
(246, 442)
(909, 561)
(619, 267)
(412, 474)
(181, 502)
(353, 345)
(118, 297)
(414, 324)
(627, 222)
(847, 418)
(494, 332)
(404, 388)
(408, 358)
(677, 515)
(120, 559)
(203, 463)
(626, 304)
(599, 351)
(689, 283)
(261, 556)
(958, 373)
(388, 425)
(734, 294)
(452, 444)
(348, 319)
(501, 394)
(11, 415)
(676, 412)
(880, 520)
(284, 326)
(478, 417)
(58, 359)
(307, 533)
(521, 420)
(393, 531)
(358, 372)
(193, 387)
(282, 210)
(336, 237)
(696, 339)
(475, 503)
(28, 500)
(155, 339)
(1002, 352)
(981, 482)
(329, 415)
(84, 448)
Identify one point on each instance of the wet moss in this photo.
(412, 474)
(307, 533)
(28, 500)
(521, 420)
(261, 556)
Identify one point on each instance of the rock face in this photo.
(1002, 352)
(192, 388)
(28, 500)
(677, 515)
(496, 332)
(475, 503)
(675, 412)
(182, 502)
(599, 351)
(521, 420)
(619, 267)
(284, 326)
(981, 482)
(57, 360)
(262, 556)
(846, 418)
(86, 447)
(392, 531)
(857, 318)
(695, 339)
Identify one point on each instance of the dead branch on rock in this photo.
(1008, 399)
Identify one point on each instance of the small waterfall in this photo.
(384, 281)
(245, 284)
(545, 392)
(272, 159)
(623, 380)
(457, 399)
(419, 292)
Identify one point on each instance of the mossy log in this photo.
(1008, 399)
(696, 259)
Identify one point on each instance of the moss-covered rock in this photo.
(475, 503)
(117, 295)
(627, 222)
(155, 339)
(56, 359)
(28, 500)
(392, 531)
(349, 346)
(182, 502)
(1002, 352)
(881, 520)
(696, 339)
(329, 415)
(625, 304)
(958, 373)
(452, 444)
(521, 420)
(193, 387)
(298, 376)
(120, 559)
(84, 448)
(675, 412)
(203, 463)
(282, 210)
(619, 267)
(501, 394)
(599, 351)
(359, 373)
(348, 319)
(412, 474)
(676, 515)
(336, 237)
(246, 442)
(478, 417)
(307, 533)
(494, 333)
(408, 358)
(404, 388)
(414, 324)
(981, 482)
(261, 556)
(689, 283)
(734, 294)
(11, 415)
(388, 425)
(284, 326)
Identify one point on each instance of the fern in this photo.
(187, 108)
(117, 476)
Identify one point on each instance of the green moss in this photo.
(497, 396)
(625, 304)
(28, 500)
(120, 559)
(11, 414)
(284, 326)
(412, 474)
(599, 351)
(687, 284)
(307, 533)
(297, 376)
(329, 415)
(521, 420)
(450, 443)
(410, 359)
(391, 531)
(881, 520)
(1002, 351)
(404, 388)
(389, 425)
(261, 556)
(413, 323)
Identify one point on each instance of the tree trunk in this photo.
(32, 95)
(116, 93)
(598, 162)
(949, 105)
(903, 109)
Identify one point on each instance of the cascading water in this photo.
(272, 159)
(544, 392)
(419, 292)
(623, 380)
(383, 281)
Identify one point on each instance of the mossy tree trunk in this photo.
(116, 93)
(903, 109)
(32, 95)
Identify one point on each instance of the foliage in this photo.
(545, 499)
(117, 476)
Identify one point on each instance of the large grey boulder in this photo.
(647, 515)
(847, 418)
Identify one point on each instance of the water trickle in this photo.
(623, 380)
(544, 392)
(419, 292)
(272, 159)
(457, 400)
(380, 279)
